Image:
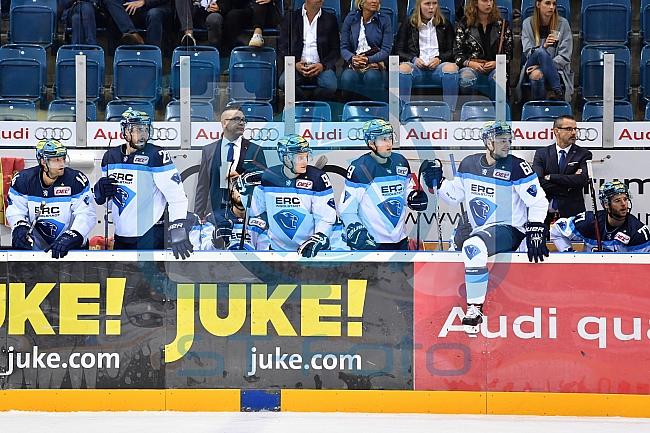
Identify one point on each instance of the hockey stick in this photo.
(419, 217)
(110, 139)
(463, 214)
(37, 214)
(321, 162)
(251, 179)
(437, 195)
(594, 206)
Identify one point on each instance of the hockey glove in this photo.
(20, 239)
(69, 240)
(106, 187)
(417, 200)
(463, 232)
(181, 245)
(222, 234)
(313, 245)
(433, 174)
(536, 234)
(248, 181)
(358, 237)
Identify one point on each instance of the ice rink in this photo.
(283, 422)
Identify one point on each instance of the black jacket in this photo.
(327, 38)
(407, 42)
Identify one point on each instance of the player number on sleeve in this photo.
(165, 156)
(326, 180)
(526, 168)
(350, 170)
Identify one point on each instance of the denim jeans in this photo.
(368, 83)
(326, 82)
(84, 27)
(550, 74)
(447, 80)
(154, 20)
(470, 79)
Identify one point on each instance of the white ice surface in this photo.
(286, 422)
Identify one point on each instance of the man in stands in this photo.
(153, 15)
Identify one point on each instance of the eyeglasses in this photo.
(238, 120)
(568, 128)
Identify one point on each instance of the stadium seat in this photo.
(205, 70)
(563, 8)
(256, 111)
(544, 111)
(644, 88)
(63, 110)
(593, 111)
(362, 111)
(23, 73)
(647, 113)
(644, 33)
(606, 22)
(311, 111)
(387, 7)
(253, 74)
(33, 22)
(591, 71)
(331, 6)
(116, 107)
(17, 109)
(137, 73)
(200, 111)
(505, 7)
(425, 111)
(65, 85)
(447, 7)
(480, 111)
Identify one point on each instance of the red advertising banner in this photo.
(550, 327)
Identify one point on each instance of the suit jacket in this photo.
(208, 187)
(327, 38)
(379, 34)
(565, 186)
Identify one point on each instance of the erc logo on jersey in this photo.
(532, 190)
(471, 251)
(304, 184)
(123, 198)
(62, 190)
(392, 209)
(49, 229)
(289, 221)
(177, 178)
(482, 209)
(331, 203)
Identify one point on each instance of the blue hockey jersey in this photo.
(296, 208)
(147, 180)
(66, 204)
(375, 196)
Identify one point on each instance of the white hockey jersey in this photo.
(256, 234)
(147, 180)
(66, 204)
(507, 192)
(296, 208)
(375, 195)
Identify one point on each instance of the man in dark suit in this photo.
(311, 35)
(225, 159)
(562, 170)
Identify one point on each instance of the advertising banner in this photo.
(129, 321)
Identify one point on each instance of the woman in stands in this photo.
(366, 42)
(425, 45)
(480, 36)
(547, 42)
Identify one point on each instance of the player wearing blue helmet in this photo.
(139, 179)
(620, 231)
(505, 204)
(378, 186)
(298, 199)
(50, 206)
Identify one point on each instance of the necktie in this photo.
(562, 158)
(231, 152)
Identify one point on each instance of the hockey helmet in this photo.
(50, 148)
(494, 128)
(610, 189)
(132, 118)
(376, 128)
(292, 144)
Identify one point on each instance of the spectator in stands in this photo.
(255, 14)
(425, 45)
(203, 14)
(366, 43)
(480, 35)
(311, 35)
(547, 42)
(154, 15)
(81, 16)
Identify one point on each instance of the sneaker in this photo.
(558, 95)
(188, 40)
(256, 41)
(473, 318)
(132, 39)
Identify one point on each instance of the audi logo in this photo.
(470, 134)
(261, 134)
(164, 134)
(587, 134)
(355, 134)
(53, 133)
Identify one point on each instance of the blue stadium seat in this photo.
(63, 110)
(647, 113)
(387, 7)
(17, 109)
(593, 111)
(425, 111)
(256, 111)
(253, 74)
(23, 73)
(644, 88)
(591, 71)
(65, 87)
(480, 111)
(311, 111)
(505, 7)
(447, 7)
(200, 111)
(205, 70)
(644, 32)
(544, 111)
(331, 6)
(116, 107)
(606, 22)
(137, 73)
(362, 111)
(33, 22)
(563, 8)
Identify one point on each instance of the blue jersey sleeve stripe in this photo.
(137, 167)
